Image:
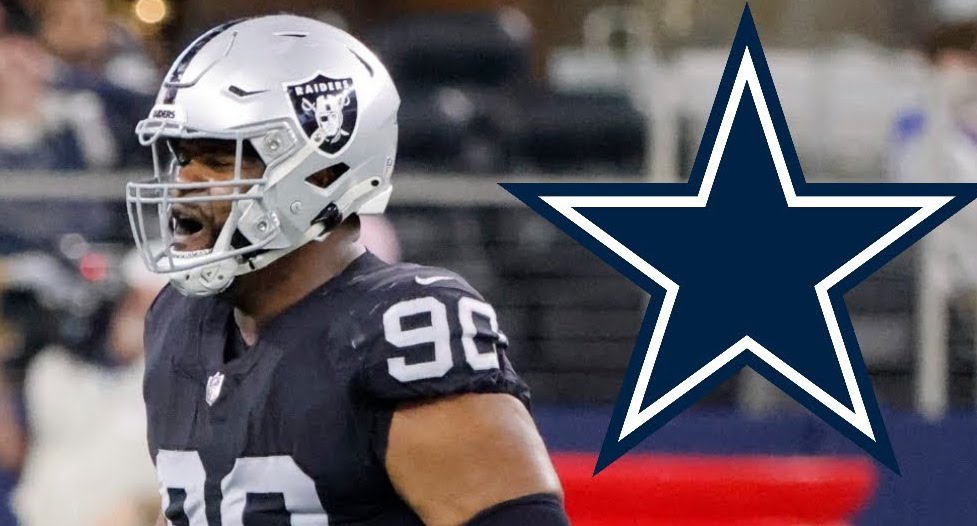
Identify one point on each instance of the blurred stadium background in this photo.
(496, 90)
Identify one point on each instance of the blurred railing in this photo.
(442, 189)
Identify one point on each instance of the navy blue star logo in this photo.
(746, 264)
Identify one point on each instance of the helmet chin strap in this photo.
(207, 280)
(260, 261)
(319, 230)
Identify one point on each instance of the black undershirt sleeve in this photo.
(541, 509)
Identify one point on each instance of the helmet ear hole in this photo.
(239, 241)
(325, 177)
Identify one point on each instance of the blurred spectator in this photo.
(12, 446)
(44, 128)
(81, 33)
(88, 464)
(33, 133)
(937, 142)
(72, 112)
(56, 117)
(12, 440)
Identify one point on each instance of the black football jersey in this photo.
(293, 430)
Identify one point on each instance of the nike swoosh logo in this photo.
(431, 280)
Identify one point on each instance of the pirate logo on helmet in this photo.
(326, 109)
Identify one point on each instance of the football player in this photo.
(292, 377)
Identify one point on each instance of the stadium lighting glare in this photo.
(151, 11)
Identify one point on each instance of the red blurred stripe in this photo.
(700, 490)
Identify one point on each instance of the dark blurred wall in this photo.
(358, 12)
(791, 23)
(675, 23)
(556, 22)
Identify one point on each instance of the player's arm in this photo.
(458, 442)
(473, 459)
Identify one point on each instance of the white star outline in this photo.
(636, 417)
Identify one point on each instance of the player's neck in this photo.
(260, 296)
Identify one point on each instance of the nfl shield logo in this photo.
(326, 109)
(214, 384)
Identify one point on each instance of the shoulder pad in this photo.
(432, 334)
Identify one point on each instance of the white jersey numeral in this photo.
(467, 309)
(437, 332)
(278, 474)
(182, 471)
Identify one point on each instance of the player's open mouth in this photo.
(190, 234)
(183, 225)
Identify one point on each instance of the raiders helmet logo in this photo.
(326, 109)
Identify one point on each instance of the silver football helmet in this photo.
(307, 97)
